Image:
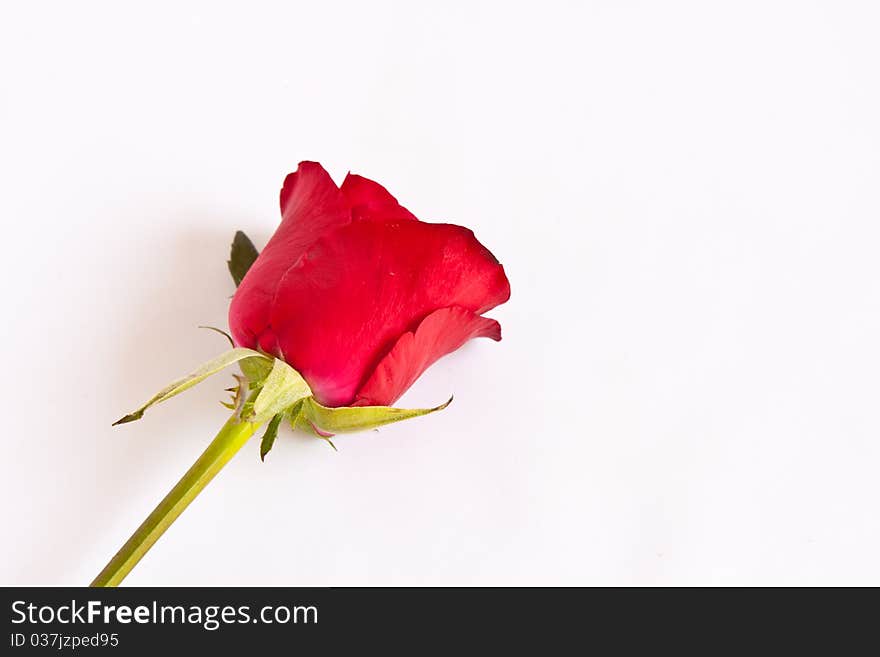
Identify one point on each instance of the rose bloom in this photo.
(358, 295)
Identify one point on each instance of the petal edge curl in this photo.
(440, 333)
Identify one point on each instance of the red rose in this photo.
(358, 295)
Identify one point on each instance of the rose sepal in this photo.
(213, 366)
(279, 392)
(352, 419)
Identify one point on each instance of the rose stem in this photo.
(231, 438)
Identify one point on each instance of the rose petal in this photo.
(349, 298)
(440, 333)
(368, 200)
(311, 205)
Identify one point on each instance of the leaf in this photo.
(270, 436)
(282, 388)
(187, 382)
(241, 256)
(348, 419)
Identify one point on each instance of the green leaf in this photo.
(241, 256)
(270, 436)
(349, 419)
(282, 388)
(187, 382)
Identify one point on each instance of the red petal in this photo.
(440, 333)
(370, 201)
(311, 205)
(342, 307)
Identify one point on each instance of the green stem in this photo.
(231, 438)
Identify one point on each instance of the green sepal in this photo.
(270, 435)
(294, 414)
(256, 370)
(237, 392)
(241, 256)
(299, 420)
(349, 419)
(211, 367)
(221, 332)
(281, 389)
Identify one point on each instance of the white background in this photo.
(686, 200)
